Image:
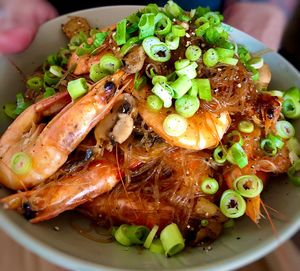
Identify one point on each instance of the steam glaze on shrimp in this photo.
(49, 146)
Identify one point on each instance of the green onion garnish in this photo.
(178, 30)
(77, 88)
(210, 186)
(236, 155)
(173, 10)
(35, 83)
(181, 64)
(172, 41)
(148, 43)
(187, 106)
(210, 57)
(96, 73)
(160, 52)
(56, 71)
(193, 52)
(10, 110)
(157, 247)
(248, 186)
(137, 234)
(164, 92)
(129, 45)
(139, 82)
(294, 145)
(181, 86)
(159, 79)
(246, 126)
(50, 79)
(109, 63)
(150, 237)
(172, 239)
(154, 103)
(120, 36)
(219, 155)
(21, 104)
(190, 70)
(285, 129)
(291, 103)
(204, 88)
(163, 26)
(146, 25)
(99, 38)
(21, 163)
(121, 236)
(232, 204)
(276, 140)
(175, 125)
(49, 92)
(232, 136)
(256, 62)
(293, 173)
(268, 146)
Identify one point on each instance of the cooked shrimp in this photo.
(205, 129)
(48, 148)
(66, 193)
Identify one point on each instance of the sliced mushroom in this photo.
(134, 60)
(76, 25)
(264, 77)
(118, 125)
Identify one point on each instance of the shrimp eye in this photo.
(109, 86)
(28, 213)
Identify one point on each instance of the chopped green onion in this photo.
(151, 8)
(248, 186)
(193, 53)
(49, 92)
(213, 18)
(175, 125)
(219, 155)
(21, 163)
(193, 91)
(150, 237)
(181, 64)
(204, 88)
(293, 173)
(172, 41)
(146, 25)
(10, 110)
(173, 10)
(35, 83)
(181, 86)
(268, 146)
(121, 236)
(109, 63)
(137, 234)
(159, 79)
(100, 38)
(232, 204)
(75, 41)
(210, 57)
(154, 103)
(285, 129)
(85, 48)
(232, 135)
(21, 104)
(190, 71)
(256, 62)
(210, 186)
(120, 36)
(229, 224)
(128, 45)
(246, 126)
(236, 155)
(277, 93)
(178, 30)
(276, 140)
(96, 72)
(200, 31)
(52, 59)
(160, 52)
(164, 92)
(50, 79)
(172, 239)
(224, 53)
(77, 88)
(291, 103)
(204, 223)
(140, 82)
(187, 106)
(294, 145)
(148, 43)
(229, 61)
(163, 26)
(56, 71)
(157, 247)
(244, 54)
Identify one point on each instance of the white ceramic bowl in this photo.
(70, 250)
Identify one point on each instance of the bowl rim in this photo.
(63, 259)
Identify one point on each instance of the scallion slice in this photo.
(181, 86)
(160, 52)
(128, 45)
(235, 137)
(150, 237)
(137, 234)
(146, 25)
(157, 247)
(48, 92)
(172, 41)
(256, 62)
(109, 64)
(175, 125)
(172, 239)
(159, 79)
(236, 155)
(77, 88)
(293, 173)
(219, 155)
(178, 30)
(35, 83)
(204, 88)
(285, 129)
(276, 140)
(56, 71)
(96, 73)
(246, 126)
(187, 106)
(120, 36)
(193, 52)
(232, 204)
(210, 57)
(10, 110)
(164, 92)
(190, 71)
(121, 236)
(210, 186)
(173, 10)
(293, 145)
(181, 64)
(291, 103)
(148, 43)
(163, 25)
(100, 38)
(248, 186)
(21, 163)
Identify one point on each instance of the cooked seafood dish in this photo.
(160, 128)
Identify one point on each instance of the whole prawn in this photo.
(48, 146)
